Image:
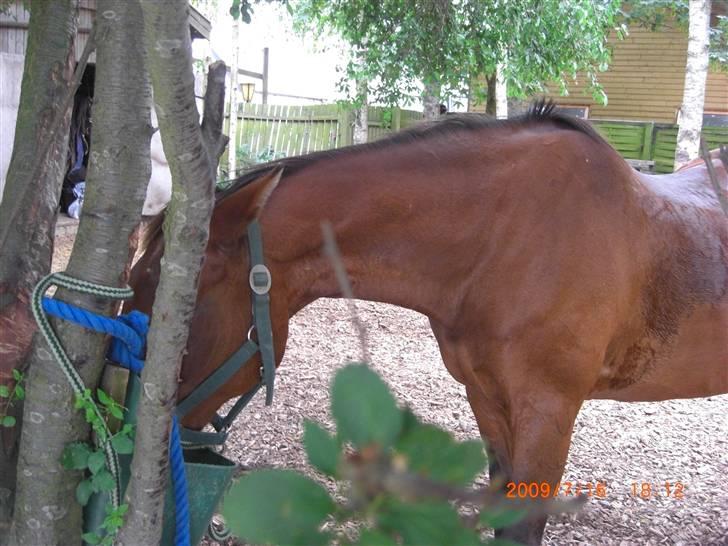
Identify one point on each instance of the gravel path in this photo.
(619, 444)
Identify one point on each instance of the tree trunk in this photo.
(186, 231)
(501, 94)
(214, 113)
(690, 117)
(119, 168)
(490, 103)
(232, 152)
(431, 101)
(28, 209)
(361, 115)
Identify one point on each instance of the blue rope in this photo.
(129, 333)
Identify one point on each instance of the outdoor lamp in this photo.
(247, 90)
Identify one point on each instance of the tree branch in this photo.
(214, 112)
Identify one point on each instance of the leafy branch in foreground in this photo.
(402, 481)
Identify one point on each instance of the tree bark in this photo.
(232, 152)
(501, 94)
(186, 232)
(431, 101)
(28, 209)
(119, 169)
(361, 114)
(213, 113)
(490, 103)
(690, 117)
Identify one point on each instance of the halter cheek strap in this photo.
(260, 283)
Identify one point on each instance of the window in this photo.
(715, 119)
(576, 111)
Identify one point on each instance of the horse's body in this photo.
(551, 272)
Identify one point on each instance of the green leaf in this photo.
(369, 537)
(425, 523)
(501, 517)
(17, 375)
(104, 398)
(96, 461)
(103, 481)
(363, 407)
(277, 507)
(83, 492)
(116, 411)
(122, 444)
(321, 448)
(433, 452)
(4, 391)
(75, 456)
(8, 421)
(19, 392)
(91, 538)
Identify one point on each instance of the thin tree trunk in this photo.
(186, 231)
(28, 209)
(490, 103)
(361, 115)
(431, 101)
(119, 169)
(501, 94)
(690, 118)
(232, 152)
(214, 113)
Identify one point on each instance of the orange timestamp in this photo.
(647, 490)
(534, 490)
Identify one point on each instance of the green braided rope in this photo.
(84, 287)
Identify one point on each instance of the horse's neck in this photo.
(384, 227)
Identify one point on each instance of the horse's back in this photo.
(684, 304)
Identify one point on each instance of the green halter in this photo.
(260, 283)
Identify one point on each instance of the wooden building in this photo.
(645, 81)
(13, 37)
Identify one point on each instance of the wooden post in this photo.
(396, 119)
(345, 122)
(265, 75)
(647, 141)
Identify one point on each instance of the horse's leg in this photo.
(454, 365)
(531, 443)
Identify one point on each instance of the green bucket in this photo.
(208, 476)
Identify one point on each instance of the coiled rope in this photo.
(129, 334)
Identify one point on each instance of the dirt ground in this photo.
(679, 441)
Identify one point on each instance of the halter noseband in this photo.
(260, 283)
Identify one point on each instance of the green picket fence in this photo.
(279, 130)
(652, 141)
(268, 131)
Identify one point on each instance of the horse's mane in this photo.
(541, 111)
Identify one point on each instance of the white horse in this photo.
(159, 190)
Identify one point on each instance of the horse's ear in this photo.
(233, 214)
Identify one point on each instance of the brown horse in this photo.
(551, 271)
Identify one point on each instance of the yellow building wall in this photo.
(645, 80)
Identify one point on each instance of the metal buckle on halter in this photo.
(260, 279)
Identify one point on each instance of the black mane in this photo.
(540, 111)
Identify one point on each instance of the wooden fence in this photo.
(270, 130)
(267, 131)
(652, 141)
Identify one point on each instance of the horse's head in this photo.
(223, 315)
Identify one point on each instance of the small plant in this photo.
(403, 481)
(245, 159)
(8, 396)
(92, 460)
